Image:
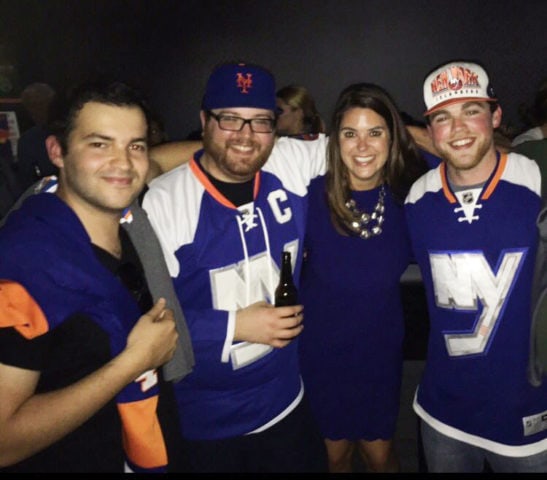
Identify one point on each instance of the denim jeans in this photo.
(444, 454)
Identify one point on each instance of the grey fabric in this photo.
(157, 276)
(537, 366)
(160, 284)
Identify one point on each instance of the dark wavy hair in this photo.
(404, 164)
(65, 108)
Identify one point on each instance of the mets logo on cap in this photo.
(244, 82)
(455, 82)
(234, 85)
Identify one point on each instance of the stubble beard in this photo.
(100, 201)
(469, 164)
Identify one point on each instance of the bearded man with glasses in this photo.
(223, 220)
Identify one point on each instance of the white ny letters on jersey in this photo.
(232, 288)
(461, 281)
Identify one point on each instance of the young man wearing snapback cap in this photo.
(223, 220)
(472, 222)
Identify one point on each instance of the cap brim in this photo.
(458, 100)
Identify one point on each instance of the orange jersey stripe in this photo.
(213, 190)
(19, 310)
(446, 189)
(142, 435)
(497, 176)
(209, 186)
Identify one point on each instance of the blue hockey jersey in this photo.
(49, 273)
(476, 248)
(224, 258)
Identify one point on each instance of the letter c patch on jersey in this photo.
(276, 199)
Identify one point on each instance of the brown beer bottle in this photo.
(286, 293)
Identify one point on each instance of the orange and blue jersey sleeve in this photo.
(19, 310)
(143, 439)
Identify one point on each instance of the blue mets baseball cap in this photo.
(240, 85)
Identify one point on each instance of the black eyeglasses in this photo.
(236, 124)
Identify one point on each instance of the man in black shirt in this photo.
(80, 338)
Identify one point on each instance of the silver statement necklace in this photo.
(364, 224)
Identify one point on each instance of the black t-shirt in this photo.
(238, 193)
(70, 352)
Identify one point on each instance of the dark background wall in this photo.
(167, 47)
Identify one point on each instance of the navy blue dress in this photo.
(351, 348)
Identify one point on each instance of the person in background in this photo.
(297, 114)
(537, 116)
(33, 162)
(223, 220)
(533, 144)
(357, 247)
(80, 337)
(157, 135)
(472, 224)
(156, 131)
(9, 186)
(536, 150)
(422, 139)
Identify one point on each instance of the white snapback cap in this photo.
(457, 81)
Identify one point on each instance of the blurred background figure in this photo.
(32, 159)
(157, 135)
(298, 115)
(420, 135)
(535, 117)
(533, 142)
(156, 130)
(9, 188)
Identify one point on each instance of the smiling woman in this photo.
(351, 349)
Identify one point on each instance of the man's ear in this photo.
(203, 118)
(54, 151)
(496, 117)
